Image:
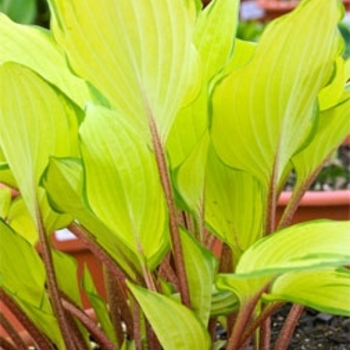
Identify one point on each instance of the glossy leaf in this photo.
(36, 121)
(20, 259)
(214, 35)
(327, 290)
(145, 64)
(223, 303)
(200, 267)
(330, 95)
(130, 198)
(215, 45)
(332, 129)
(190, 177)
(66, 268)
(189, 126)
(63, 181)
(310, 246)
(20, 220)
(228, 205)
(304, 246)
(175, 325)
(5, 200)
(270, 102)
(35, 48)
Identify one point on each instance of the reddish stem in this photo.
(168, 273)
(289, 326)
(90, 325)
(11, 331)
(114, 296)
(85, 236)
(174, 229)
(243, 317)
(38, 337)
(268, 311)
(52, 284)
(6, 345)
(265, 334)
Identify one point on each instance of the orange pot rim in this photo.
(278, 5)
(319, 198)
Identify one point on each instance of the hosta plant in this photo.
(152, 133)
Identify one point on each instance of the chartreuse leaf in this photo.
(63, 180)
(176, 326)
(233, 205)
(5, 200)
(214, 35)
(35, 48)
(130, 198)
(67, 275)
(200, 266)
(304, 247)
(5, 173)
(20, 219)
(327, 290)
(145, 64)
(190, 125)
(21, 259)
(190, 177)
(214, 45)
(17, 256)
(223, 302)
(36, 121)
(269, 103)
(331, 94)
(332, 129)
(242, 53)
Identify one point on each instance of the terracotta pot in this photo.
(276, 8)
(333, 205)
(347, 140)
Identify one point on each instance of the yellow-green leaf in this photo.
(63, 182)
(233, 205)
(138, 54)
(200, 265)
(129, 199)
(36, 121)
(310, 245)
(214, 35)
(36, 49)
(327, 290)
(264, 111)
(175, 325)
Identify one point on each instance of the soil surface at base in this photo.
(315, 330)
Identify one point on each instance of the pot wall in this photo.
(334, 205)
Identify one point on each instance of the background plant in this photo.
(151, 132)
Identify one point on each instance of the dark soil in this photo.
(315, 331)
